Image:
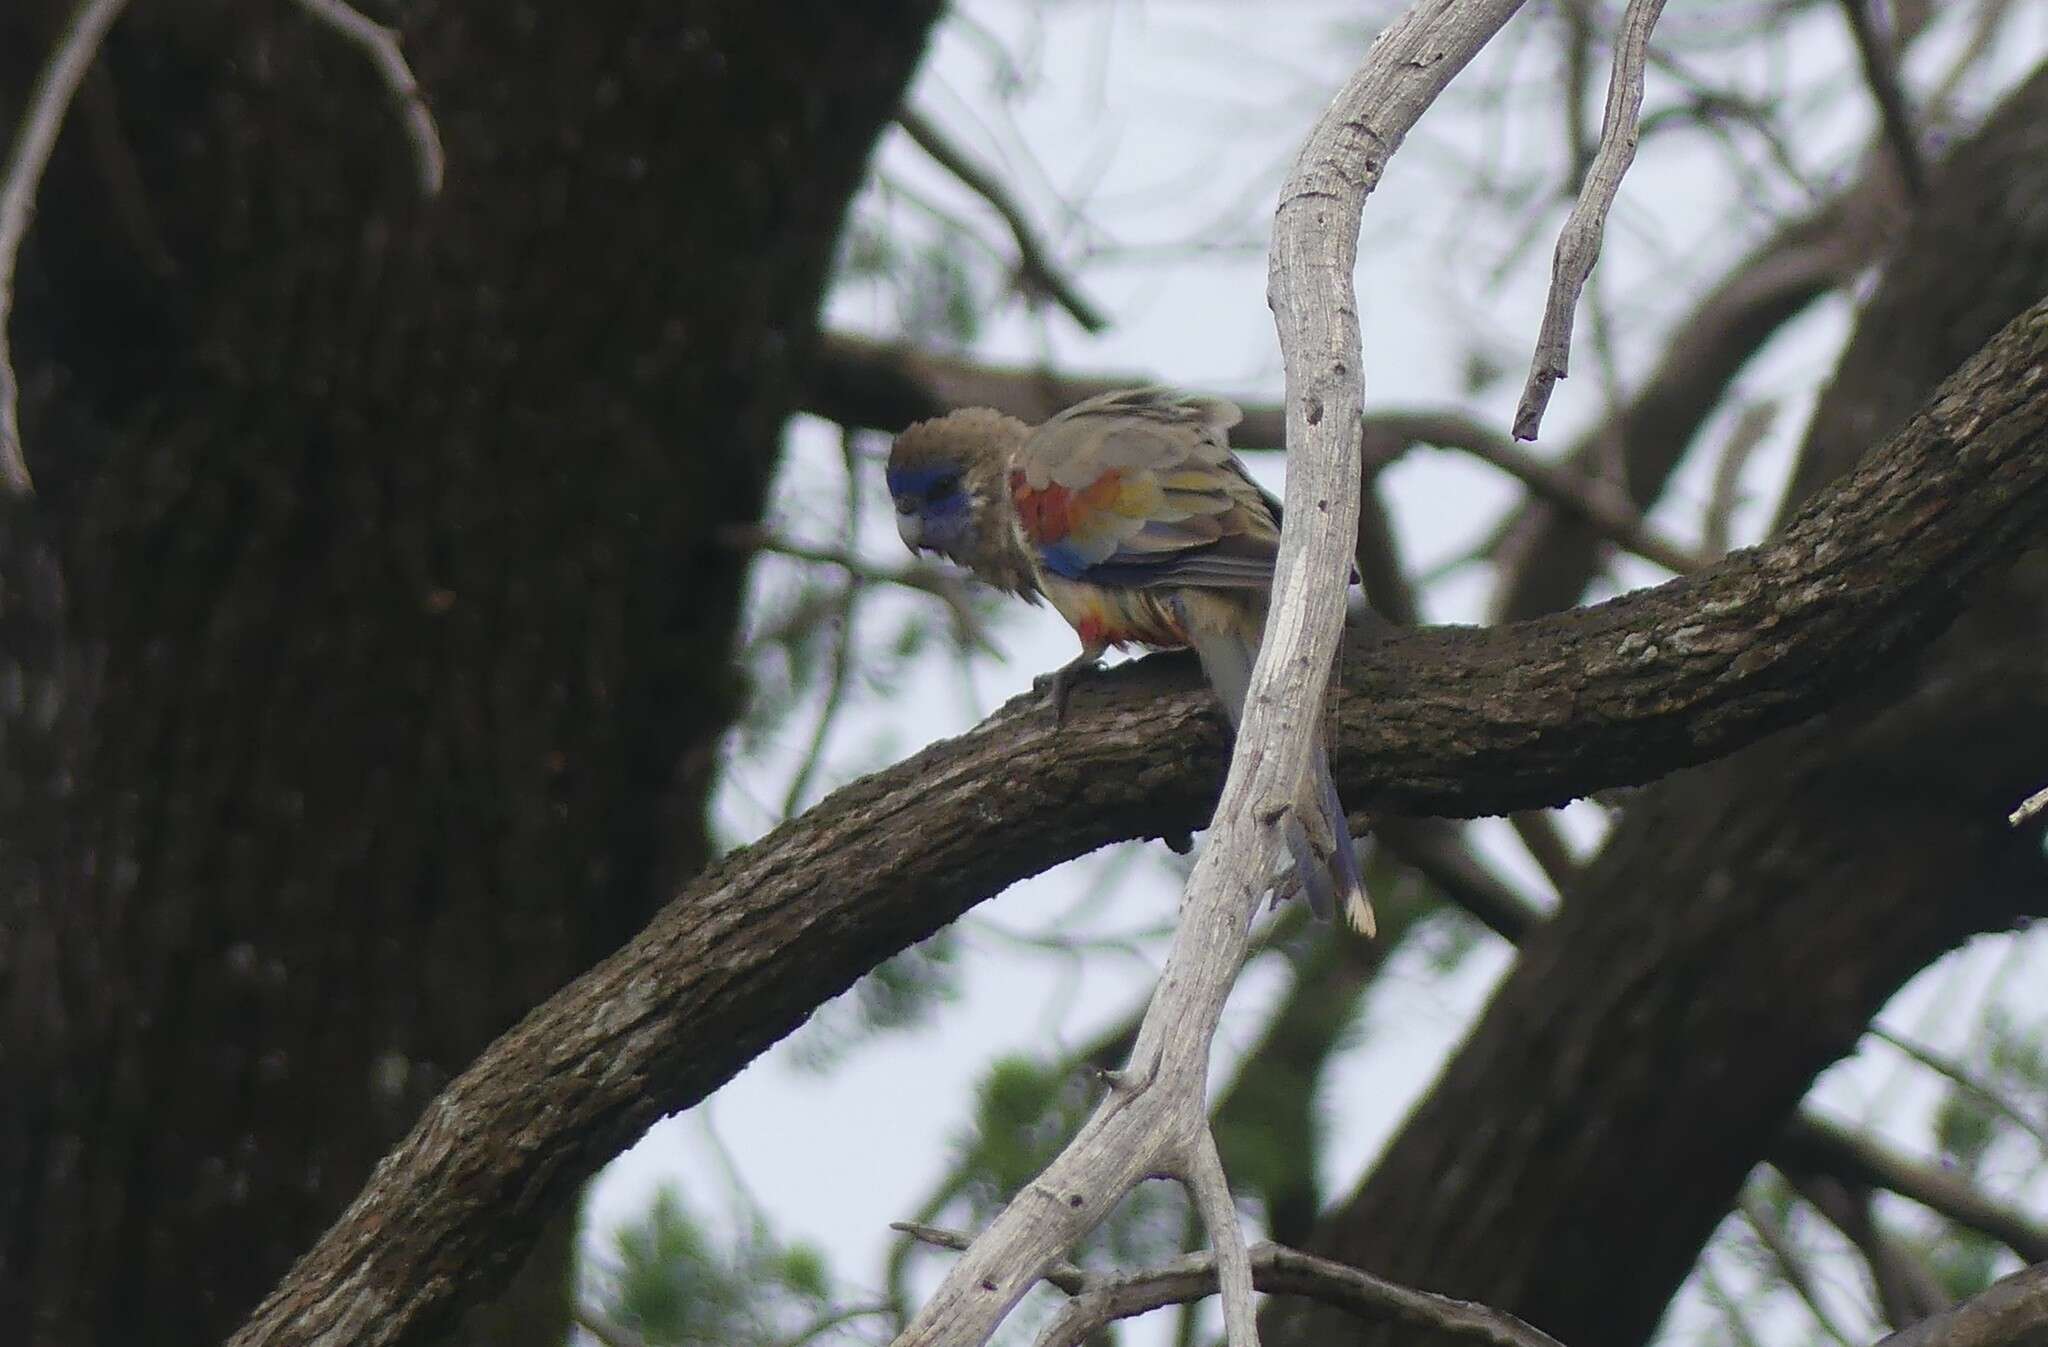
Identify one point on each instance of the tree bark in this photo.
(369, 644)
(1747, 918)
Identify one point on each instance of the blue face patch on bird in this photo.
(931, 507)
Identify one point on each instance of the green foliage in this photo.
(1963, 1261)
(670, 1284)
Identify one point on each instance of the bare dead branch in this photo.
(2029, 807)
(1276, 1270)
(1578, 244)
(56, 84)
(2011, 1312)
(1210, 1188)
(380, 44)
(1036, 271)
(1881, 71)
(1432, 721)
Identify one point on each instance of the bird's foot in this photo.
(1058, 685)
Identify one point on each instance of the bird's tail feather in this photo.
(1227, 661)
(1345, 873)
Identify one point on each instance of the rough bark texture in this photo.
(368, 646)
(1747, 918)
(1434, 721)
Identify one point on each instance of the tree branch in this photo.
(1276, 1270)
(380, 44)
(2028, 807)
(1881, 71)
(1812, 1145)
(1578, 244)
(48, 101)
(1906, 1289)
(1967, 1079)
(1036, 273)
(2011, 1312)
(1435, 721)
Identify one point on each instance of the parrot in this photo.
(1129, 513)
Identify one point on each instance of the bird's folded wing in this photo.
(1139, 489)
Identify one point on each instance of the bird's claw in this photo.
(1058, 686)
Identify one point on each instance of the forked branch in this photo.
(1155, 1119)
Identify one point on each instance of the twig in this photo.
(1965, 1078)
(1578, 244)
(2029, 807)
(927, 579)
(1881, 70)
(1035, 269)
(1434, 850)
(1718, 520)
(1773, 1239)
(41, 119)
(380, 44)
(1813, 1145)
(1276, 1270)
(841, 672)
(1906, 1290)
(1061, 1275)
(1603, 504)
(1157, 1112)
(1210, 1189)
(2009, 1312)
(1545, 842)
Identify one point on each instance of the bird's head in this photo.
(946, 476)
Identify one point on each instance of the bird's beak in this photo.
(910, 527)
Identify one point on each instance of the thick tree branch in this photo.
(1440, 721)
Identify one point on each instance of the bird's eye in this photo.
(941, 489)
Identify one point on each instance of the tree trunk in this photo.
(1747, 918)
(368, 647)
